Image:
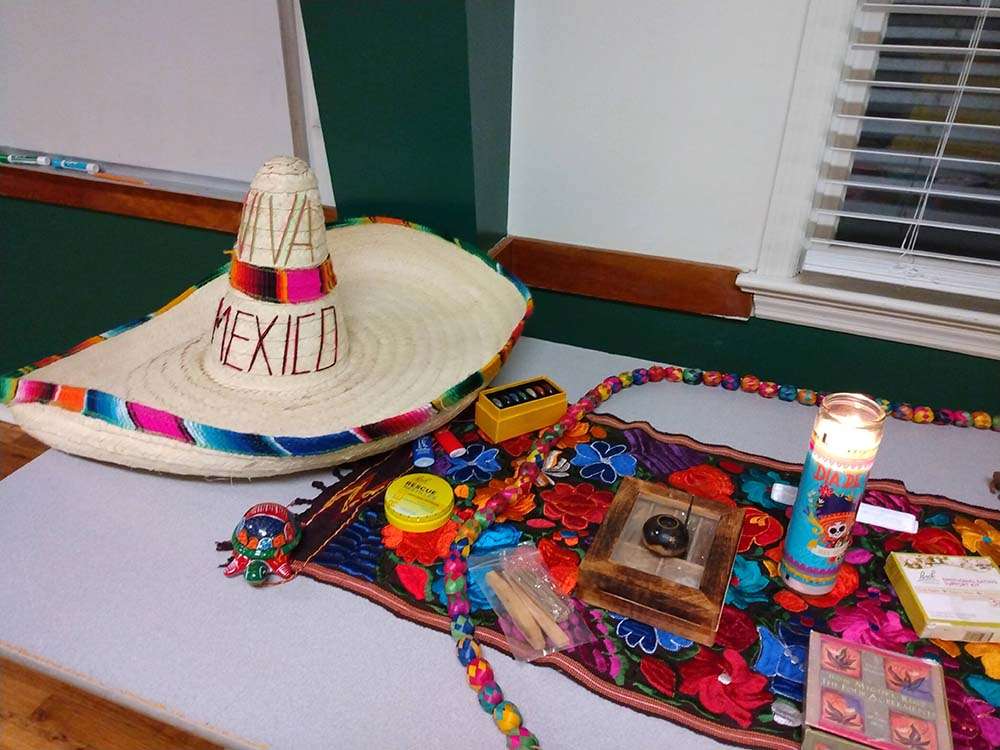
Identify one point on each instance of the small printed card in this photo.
(862, 696)
(952, 597)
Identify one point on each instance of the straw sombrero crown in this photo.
(318, 346)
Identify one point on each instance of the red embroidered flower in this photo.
(517, 446)
(521, 506)
(759, 528)
(929, 540)
(658, 675)
(736, 629)
(576, 507)
(724, 684)
(426, 547)
(733, 467)
(845, 585)
(563, 564)
(705, 481)
(414, 579)
(790, 601)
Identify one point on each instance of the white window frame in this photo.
(961, 315)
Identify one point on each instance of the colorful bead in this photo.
(507, 717)
(467, 650)
(457, 605)
(691, 375)
(490, 696)
(886, 405)
(981, 420)
(522, 740)
(787, 392)
(768, 389)
(806, 397)
(462, 626)
(711, 378)
(961, 418)
(478, 672)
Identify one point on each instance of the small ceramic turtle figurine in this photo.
(262, 541)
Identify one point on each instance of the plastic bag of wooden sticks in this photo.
(534, 616)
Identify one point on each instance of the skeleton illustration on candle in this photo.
(833, 519)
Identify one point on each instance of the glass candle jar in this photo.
(845, 439)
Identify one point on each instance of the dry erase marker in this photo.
(37, 160)
(76, 166)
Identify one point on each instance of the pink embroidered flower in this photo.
(599, 656)
(869, 624)
(973, 724)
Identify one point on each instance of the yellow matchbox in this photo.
(951, 597)
(516, 408)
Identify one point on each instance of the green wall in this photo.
(782, 352)
(67, 274)
(415, 104)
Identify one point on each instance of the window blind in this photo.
(909, 189)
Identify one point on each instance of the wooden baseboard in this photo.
(82, 191)
(625, 277)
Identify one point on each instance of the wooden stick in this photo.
(550, 627)
(517, 610)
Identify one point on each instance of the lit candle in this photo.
(845, 439)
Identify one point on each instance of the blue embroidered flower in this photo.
(494, 538)
(671, 642)
(477, 599)
(477, 465)
(782, 657)
(645, 637)
(747, 584)
(987, 688)
(499, 536)
(357, 549)
(937, 519)
(756, 485)
(600, 460)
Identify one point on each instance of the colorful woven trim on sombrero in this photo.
(129, 415)
(282, 284)
(748, 688)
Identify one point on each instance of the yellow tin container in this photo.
(419, 502)
(516, 408)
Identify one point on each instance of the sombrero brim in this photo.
(429, 323)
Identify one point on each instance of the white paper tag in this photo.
(885, 518)
(871, 514)
(784, 493)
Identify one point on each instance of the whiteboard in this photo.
(186, 85)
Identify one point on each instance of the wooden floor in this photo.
(38, 712)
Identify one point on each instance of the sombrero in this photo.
(312, 347)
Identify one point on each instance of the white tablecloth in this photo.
(110, 580)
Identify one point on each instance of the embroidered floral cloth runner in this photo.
(748, 688)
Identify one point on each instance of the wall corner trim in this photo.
(83, 191)
(622, 276)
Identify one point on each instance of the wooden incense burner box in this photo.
(682, 595)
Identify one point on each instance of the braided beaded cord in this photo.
(505, 714)
(478, 670)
